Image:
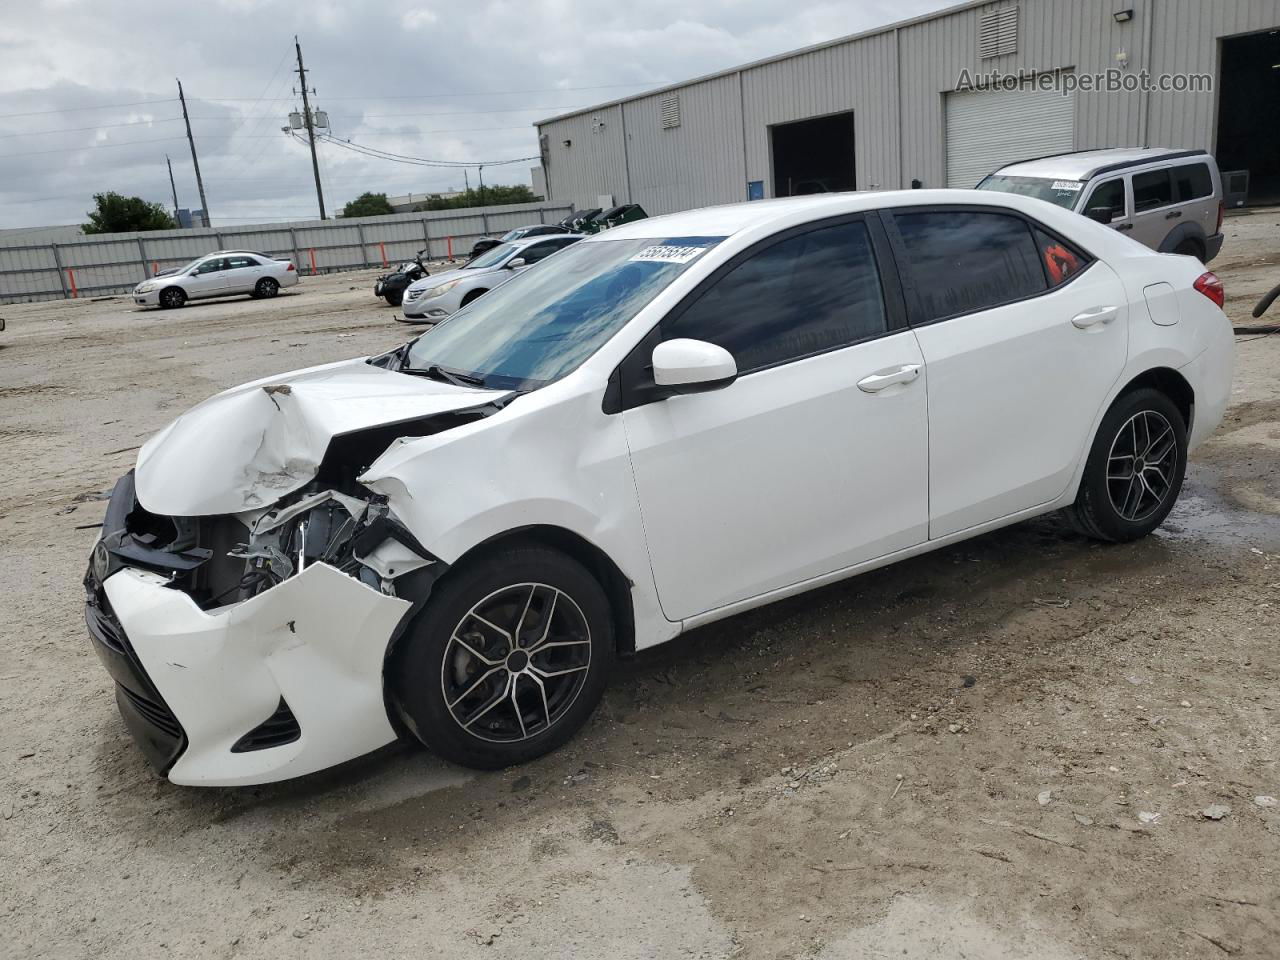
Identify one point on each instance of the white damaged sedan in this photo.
(689, 416)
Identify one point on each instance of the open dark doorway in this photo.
(813, 156)
(1248, 91)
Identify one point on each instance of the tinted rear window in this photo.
(963, 261)
(1192, 181)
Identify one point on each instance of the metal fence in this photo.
(114, 263)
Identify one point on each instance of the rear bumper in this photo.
(1212, 246)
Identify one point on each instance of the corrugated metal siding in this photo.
(896, 82)
(694, 164)
(115, 263)
(594, 163)
(858, 76)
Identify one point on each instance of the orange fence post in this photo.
(71, 275)
(450, 239)
(155, 267)
(383, 248)
(312, 251)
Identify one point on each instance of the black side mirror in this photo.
(1099, 214)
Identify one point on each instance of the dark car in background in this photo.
(519, 233)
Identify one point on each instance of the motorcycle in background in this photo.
(391, 286)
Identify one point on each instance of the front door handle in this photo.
(1125, 226)
(888, 377)
(1094, 317)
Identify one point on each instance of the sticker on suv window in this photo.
(664, 253)
(1075, 186)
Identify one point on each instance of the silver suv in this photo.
(1169, 200)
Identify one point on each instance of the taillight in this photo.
(1222, 210)
(1209, 284)
(289, 268)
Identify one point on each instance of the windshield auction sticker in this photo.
(1074, 186)
(661, 253)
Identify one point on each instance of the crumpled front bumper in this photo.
(314, 645)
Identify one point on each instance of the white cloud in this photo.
(417, 19)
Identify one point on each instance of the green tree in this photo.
(368, 205)
(120, 214)
(490, 196)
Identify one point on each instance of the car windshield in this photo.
(1064, 193)
(515, 234)
(544, 323)
(491, 257)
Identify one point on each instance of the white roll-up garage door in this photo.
(988, 128)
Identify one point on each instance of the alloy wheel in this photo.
(515, 662)
(1142, 465)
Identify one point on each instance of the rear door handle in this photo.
(888, 377)
(1173, 215)
(1094, 317)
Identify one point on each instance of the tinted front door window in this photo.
(812, 292)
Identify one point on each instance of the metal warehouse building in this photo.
(881, 110)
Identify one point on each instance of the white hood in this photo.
(426, 283)
(249, 446)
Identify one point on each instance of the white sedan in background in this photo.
(680, 419)
(434, 298)
(223, 273)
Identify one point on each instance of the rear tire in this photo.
(476, 698)
(171, 298)
(394, 299)
(1135, 468)
(266, 288)
(1191, 248)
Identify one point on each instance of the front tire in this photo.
(473, 295)
(507, 660)
(1135, 468)
(266, 288)
(172, 297)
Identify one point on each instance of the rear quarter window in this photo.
(1192, 181)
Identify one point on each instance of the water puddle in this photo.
(1204, 515)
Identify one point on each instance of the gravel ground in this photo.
(1000, 750)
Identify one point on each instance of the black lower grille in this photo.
(103, 625)
(155, 713)
(277, 730)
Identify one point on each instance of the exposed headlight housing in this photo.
(441, 290)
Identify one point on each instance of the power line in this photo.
(90, 146)
(104, 106)
(420, 161)
(475, 93)
(99, 126)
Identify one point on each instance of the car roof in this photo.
(522, 242)
(733, 218)
(1088, 163)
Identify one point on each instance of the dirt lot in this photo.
(1000, 750)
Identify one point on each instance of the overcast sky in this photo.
(79, 81)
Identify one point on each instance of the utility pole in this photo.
(195, 161)
(311, 130)
(481, 170)
(174, 187)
